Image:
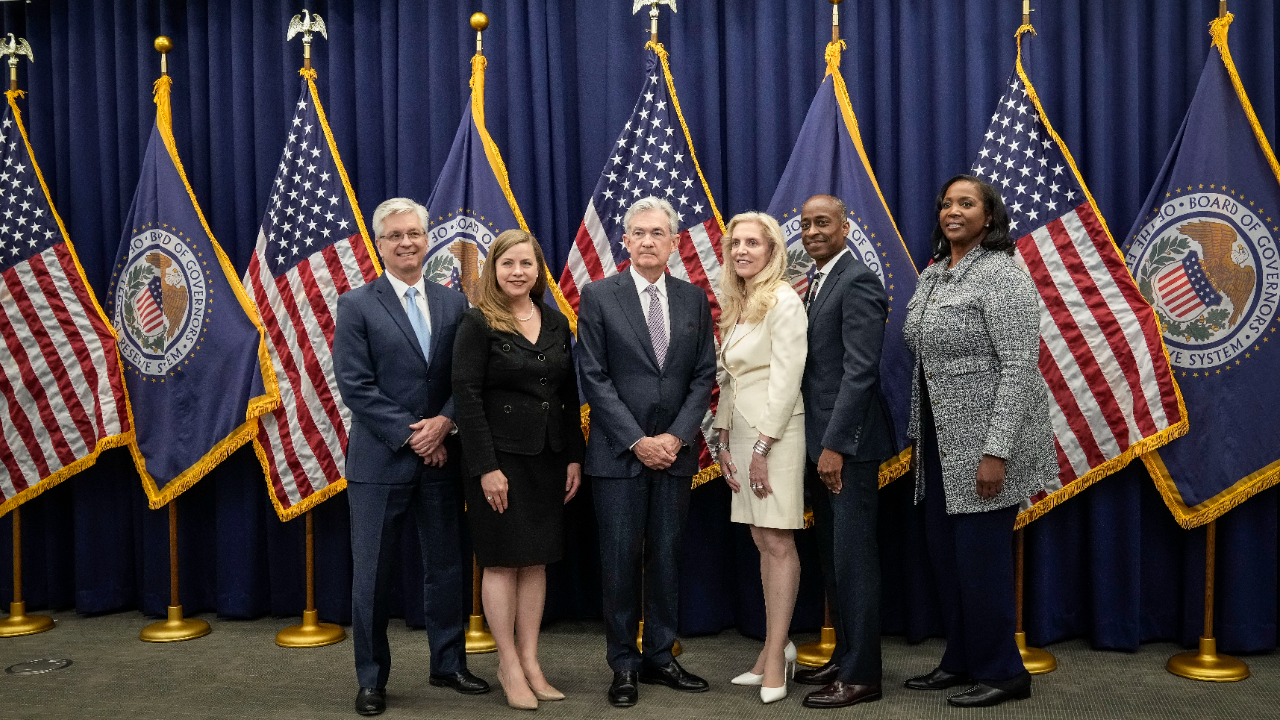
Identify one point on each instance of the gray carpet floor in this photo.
(239, 672)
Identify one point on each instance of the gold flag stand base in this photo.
(20, 623)
(478, 638)
(1207, 664)
(675, 648)
(819, 653)
(1037, 661)
(175, 628)
(311, 633)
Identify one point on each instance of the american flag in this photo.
(312, 247)
(1185, 290)
(652, 156)
(1113, 396)
(61, 392)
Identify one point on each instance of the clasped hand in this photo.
(659, 451)
(427, 439)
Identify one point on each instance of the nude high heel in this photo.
(548, 695)
(517, 704)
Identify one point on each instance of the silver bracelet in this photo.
(762, 449)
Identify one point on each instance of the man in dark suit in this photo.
(647, 363)
(847, 436)
(393, 360)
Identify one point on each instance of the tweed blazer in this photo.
(975, 333)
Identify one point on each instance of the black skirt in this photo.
(531, 530)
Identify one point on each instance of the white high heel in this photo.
(751, 679)
(772, 695)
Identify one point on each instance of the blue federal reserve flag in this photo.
(1205, 257)
(195, 361)
(471, 203)
(829, 159)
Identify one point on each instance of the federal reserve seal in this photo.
(456, 253)
(162, 302)
(800, 265)
(1209, 266)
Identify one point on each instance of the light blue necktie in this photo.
(419, 323)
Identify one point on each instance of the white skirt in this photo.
(784, 507)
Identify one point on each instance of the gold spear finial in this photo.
(163, 46)
(306, 25)
(479, 21)
(14, 48)
(653, 13)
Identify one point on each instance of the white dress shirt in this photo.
(822, 273)
(421, 300)
(642, 287)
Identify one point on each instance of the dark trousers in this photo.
(640, 517)
(378, 513)
(972, 558)
(850, 555)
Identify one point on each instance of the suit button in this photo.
(944, 453)
(546, 406)
(506, 408)
(929, 375)
(542, 381)
(506, 347)
(541, 357)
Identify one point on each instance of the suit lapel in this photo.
(826, 284)
(629, 302)
(387, 295)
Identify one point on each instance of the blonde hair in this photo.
(494, 303)
(750, 300)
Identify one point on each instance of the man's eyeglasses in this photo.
(398, 236)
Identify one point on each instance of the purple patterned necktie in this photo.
(657, 329)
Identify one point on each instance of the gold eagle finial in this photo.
(306, 25)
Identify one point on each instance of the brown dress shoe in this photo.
(841, 694)
(820, 676)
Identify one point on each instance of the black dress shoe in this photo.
(673, 676)
(841, 694)
(820, 676)
(624, 691)
(462, 681)
(370, 701)
(939, 679)
(985, 696)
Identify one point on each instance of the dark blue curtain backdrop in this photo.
(1110, 565)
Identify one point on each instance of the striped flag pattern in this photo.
(652, 156)
(62, 397)
(1113, 396)
(312, 247)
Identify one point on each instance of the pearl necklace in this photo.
(532, 309)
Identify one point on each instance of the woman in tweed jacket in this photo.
(982, 438)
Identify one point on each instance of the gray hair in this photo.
(395, 206)
(652, 202)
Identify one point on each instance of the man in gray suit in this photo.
(847, 436)
(393, 360)
(646, 356)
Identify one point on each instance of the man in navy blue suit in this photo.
(646, 356)
(393, 359)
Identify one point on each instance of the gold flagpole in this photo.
(176, 627)
(1036, 661)
(817, 654)
(311, 632)
(1205, 663)
(477, 639)
(19, 622)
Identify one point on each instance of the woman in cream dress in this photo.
(761, 424)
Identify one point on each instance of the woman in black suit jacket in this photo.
(522, 446)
